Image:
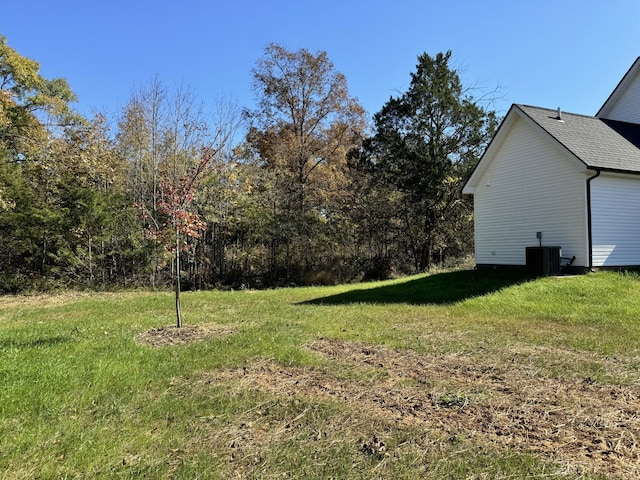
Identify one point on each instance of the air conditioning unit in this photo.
(543, 260)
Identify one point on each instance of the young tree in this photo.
(425, 144)
(175, 201)
(176, 195)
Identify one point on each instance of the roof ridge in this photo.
(555, 110)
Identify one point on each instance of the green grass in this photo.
(80, 398)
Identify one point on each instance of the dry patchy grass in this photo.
(584, 426)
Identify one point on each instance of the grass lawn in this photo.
(469, 374)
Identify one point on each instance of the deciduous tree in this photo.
(305, 124)
(159, 134)
(27, 101)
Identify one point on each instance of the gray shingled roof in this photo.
(598, 143)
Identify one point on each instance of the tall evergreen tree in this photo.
(425, 144)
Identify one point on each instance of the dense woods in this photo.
(299, 188)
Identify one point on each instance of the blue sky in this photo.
(568, 54)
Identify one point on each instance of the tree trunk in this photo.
(90, 259)
(178, 309)
(425, 256)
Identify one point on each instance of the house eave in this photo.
(471, 184)
(613, 170)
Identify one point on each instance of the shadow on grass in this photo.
(20, 343)
(438, 289)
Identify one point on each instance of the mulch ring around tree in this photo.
(166, 336)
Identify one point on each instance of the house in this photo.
(560, 179)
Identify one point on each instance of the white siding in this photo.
(531, 185)
(626, 107)
(615, 220)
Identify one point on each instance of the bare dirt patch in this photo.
(165, 336)
(586, 426)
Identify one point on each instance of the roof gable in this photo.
(515, 113)
(624, 102)
(600, 144)
(610, 141)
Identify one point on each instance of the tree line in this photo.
(300, 188)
